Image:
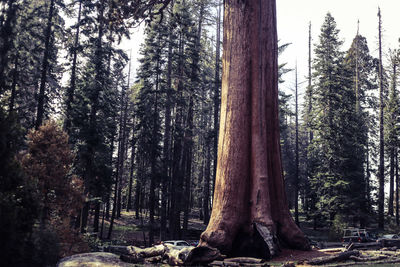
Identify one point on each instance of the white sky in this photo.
(136, 39)
(293, 17)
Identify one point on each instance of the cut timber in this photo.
(390, 242)
(339, 257)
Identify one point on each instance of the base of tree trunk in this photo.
(258, 241)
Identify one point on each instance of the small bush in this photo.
(336, 229)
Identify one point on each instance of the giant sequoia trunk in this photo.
(250, 208)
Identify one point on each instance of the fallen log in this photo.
(331, 250)
(383, 252)
(156, 259)
(390, 242)
(339, 257)
(390, 261)
(216, 263)
(245, 260)
(234, 264)
(365, 259)
(152, 251)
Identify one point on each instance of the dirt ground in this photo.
(298, 256)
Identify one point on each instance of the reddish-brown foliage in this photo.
(48, 163)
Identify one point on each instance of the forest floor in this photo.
(131, 231)
(128, 230)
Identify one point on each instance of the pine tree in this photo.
(359, 64)
(149, 104)
(338, 172)
(381, 170)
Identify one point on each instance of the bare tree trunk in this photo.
(133, 143)
(308, 202)
(176, 187)
(177, 180)
(397, 187)
(206, 189)
(138, 189)
(110, 192)
(96, 219)
(391, 182)
(6, 35)
(14, 84)
(381, 174)
(121, 147)
(217, 84)
(102, 222)
(45, 63)
(114, 210)
(311, 135)
(249, 198)
(71, 88)
(296, 176)
(167, 137)
(187, 165)
(152, 197)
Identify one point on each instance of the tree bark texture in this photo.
(249, 191)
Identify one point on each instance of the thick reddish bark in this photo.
(249, 188)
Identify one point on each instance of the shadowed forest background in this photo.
(89, 155)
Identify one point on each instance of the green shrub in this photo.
(336, 229)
